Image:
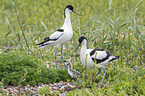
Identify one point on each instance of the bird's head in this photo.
(81, 40)
(70, 8)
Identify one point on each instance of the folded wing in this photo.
(52, 38)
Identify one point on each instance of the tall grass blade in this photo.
(44, 25)
(110, 5)
(8, 33)
(13, 3)
(7, 21)
(138, 3)
(137, 6)
(21, 28)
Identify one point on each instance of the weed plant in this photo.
(116, 26)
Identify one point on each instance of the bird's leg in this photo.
(102, 85)
(62, 56)
(98, 72)
(96, 75)
(55, 57)
(92, 78)
(103, 76)
(76, 81)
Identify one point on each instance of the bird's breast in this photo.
(68, 34)
(86, 59)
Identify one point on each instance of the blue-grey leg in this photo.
(98, 72)
(76, 81)
(55, 57)
(103, 76)
(96, 75)
(62, 56)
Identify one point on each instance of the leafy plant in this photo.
(112, 25)
(15, 65)
(63, 74)
(44, 91)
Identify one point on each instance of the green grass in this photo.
(116, 26)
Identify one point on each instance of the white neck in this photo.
(84, 47)
(67, 21)
(69, 68)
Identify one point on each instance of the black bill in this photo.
(77, 47)
(76, 13)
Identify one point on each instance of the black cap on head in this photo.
(70, 7)
(81, 39)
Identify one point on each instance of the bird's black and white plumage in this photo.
(73, 73)
(94, 56)
(61, 35)
(52, 39)
(98, 56)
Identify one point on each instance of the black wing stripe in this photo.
(101, 60)
(60, 30)
(55, 38)
(94, 50)
(48, 39)
(45, 40)
(116, 57)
